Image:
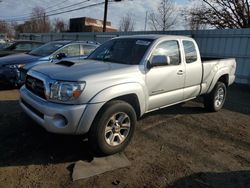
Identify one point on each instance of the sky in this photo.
(137, 8)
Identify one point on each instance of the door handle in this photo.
(180, 72)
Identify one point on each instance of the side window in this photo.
(71, 50)
(190, 51)
(171, 49)
(23, 46)
(87, 49)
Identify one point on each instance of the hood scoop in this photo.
(65, 63)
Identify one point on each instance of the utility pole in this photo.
(105, 15)
(44, 22)
(146, 21)
(106, 12)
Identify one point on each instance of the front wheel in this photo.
(215, 100)
(113, 128)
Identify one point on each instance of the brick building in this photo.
(85, 24)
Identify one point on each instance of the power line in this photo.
(62, 12)
(23, 17)
(56, 4)
(27, 14)
(80, 8)
(68, 6)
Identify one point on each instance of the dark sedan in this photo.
(21, 46)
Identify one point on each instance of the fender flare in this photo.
(105, 95)
(119, 90)
(221, 72)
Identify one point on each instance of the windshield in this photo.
(46, 49)
(124, 51)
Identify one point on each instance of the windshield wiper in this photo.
(108, 60)
(114, 60)
(97, 59)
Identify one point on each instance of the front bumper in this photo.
(56, 118)
(59, 118)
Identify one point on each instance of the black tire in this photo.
(98, 139)
(211, 102)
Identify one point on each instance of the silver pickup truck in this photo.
(120, 81)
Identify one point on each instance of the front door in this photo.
(166, 83)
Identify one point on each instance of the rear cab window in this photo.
(190, 51)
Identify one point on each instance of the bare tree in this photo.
(196, 24)
(223, 14)
(4, 26)
(127, 23)
(38, 23)
(165, 17)
(7, 28)
(190, 22)
(59, 25)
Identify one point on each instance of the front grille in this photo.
(35, 85)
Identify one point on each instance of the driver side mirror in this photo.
(60, 56)
(159, 60)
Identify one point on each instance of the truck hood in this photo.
(17, 59)
(77, 71)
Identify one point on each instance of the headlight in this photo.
(66, 91)
(15, 66)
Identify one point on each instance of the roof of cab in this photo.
(75, 41)
(155, 36)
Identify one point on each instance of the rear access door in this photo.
(193, 74)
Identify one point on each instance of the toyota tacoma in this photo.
(120, 81)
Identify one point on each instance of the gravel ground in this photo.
(180, 146)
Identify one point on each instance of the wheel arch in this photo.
(132, 93)
(225, 79)
(131, 99)
(220, 77)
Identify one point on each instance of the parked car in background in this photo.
(21, 46)
(13, 68)
(3, 45)
(2, 41)
(120, 81)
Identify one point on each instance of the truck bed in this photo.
(211, 66)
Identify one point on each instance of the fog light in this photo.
(60, 121)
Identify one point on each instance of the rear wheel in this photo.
(113, 128)
(215, 100)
